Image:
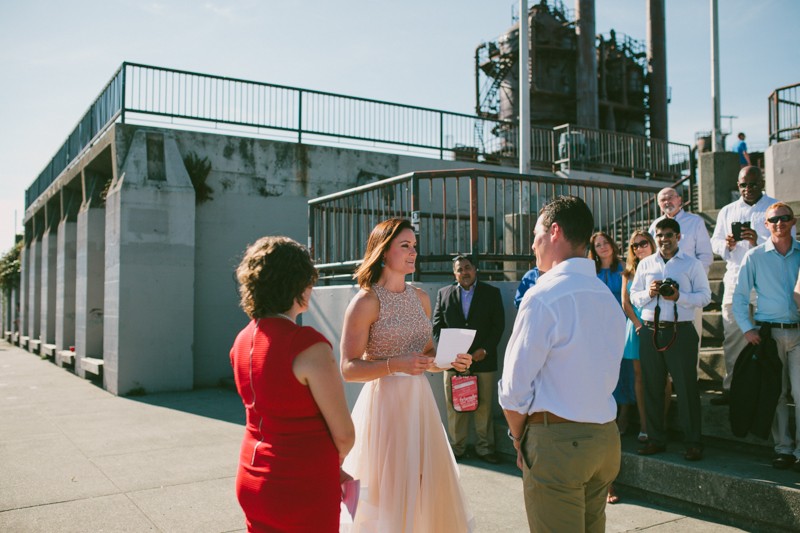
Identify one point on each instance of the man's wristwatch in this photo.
(512, 437)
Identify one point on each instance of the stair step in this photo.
(712, 364)
(717, 270)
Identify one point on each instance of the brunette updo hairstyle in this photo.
(378, 243)
(273, 275)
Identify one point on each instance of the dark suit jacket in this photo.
(485, 316)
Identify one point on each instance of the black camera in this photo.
(736, 229)
(668, 287)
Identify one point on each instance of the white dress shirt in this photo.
(695, 241)
(739, 211)
(692, 285)
(565, 350)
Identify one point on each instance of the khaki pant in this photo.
(458, 423)
(567, 469)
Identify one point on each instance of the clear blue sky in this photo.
(55, 57)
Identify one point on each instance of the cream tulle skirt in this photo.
(409, 477)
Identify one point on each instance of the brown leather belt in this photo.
(663, 324)
(540, 417)
(779, 325)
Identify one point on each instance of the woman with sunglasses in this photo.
(640, 246)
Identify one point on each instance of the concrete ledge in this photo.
(23, 341)
(15, 338)
(49, 350)
(34, 345)
(92, 365)
(7, 335)
(65, 357)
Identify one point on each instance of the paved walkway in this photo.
(75, 458)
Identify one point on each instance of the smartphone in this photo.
(736, 229)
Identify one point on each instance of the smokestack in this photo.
(657, 68)
(586, 75)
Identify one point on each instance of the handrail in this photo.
(488, 214)
(784, 113)
(181, 98)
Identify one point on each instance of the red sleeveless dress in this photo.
(288, 477)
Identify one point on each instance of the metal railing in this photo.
(784, 114)
(618, 153)
(182, 99)
(489, 215)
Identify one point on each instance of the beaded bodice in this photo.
(402, 326)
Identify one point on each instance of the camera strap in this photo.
(656, 317)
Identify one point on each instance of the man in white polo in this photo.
(561, 367)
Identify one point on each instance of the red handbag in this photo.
(464, 392)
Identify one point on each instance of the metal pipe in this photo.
(586, 69)
(716, 142)
(657, 68)
(524, 149)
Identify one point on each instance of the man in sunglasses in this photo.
(740, 227)
(771, 270)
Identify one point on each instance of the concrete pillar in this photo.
(23, 291)
(15, 307)
(48, 294)
(34, 275)
(65, 285)
(717, 174)
(586, 75)
(149, 297)
(89, 283)
(657, 68)
(782, 172)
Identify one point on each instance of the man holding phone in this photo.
(740, 227)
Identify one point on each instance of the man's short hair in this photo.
(668, 223)
(572, 215)
(751, 170)
(778, 205)
(741, 135)
(462, 257)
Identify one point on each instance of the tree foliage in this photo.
(10, 267)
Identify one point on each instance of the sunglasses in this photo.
(780, 218)
(749, 185)
(640, 244)
(667, 235)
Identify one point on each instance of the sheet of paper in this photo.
(350, 492)
(452, 341)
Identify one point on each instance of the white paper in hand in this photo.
(452, 341)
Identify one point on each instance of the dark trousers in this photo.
(680, 360)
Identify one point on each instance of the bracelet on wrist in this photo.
(512, 437)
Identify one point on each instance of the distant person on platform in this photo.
(472, 304)
(771, 269)
(561, 367)
(740, 227)
(741, 148)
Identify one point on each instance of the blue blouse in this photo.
(613, 281)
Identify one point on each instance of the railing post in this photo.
(473, 217)
(122, 104)
(441, 135)
(415, 221)
(300, 117)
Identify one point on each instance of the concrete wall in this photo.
(326, 313)
(149, 270)
(782, 171)
(717, 174)
(34, 276)
(89, 283)
(48, 295)
(65, 284)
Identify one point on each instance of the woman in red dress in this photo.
(298, 425)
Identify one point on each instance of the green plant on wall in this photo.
(10, 268)
(198, 170)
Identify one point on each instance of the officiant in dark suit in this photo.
(472, 304)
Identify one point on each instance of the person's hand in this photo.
(752, 336)
(344, 476)
(654, 285)
(463, 362)
(749, 234)
(730, 241)
(637, 327)
(413, 363)
(519, 455)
